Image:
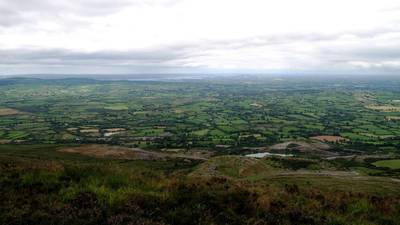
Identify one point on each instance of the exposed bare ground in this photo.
(9, 112)
(189, 154)
(118, 152)
(255, 104)
(319, 173)
(94, 130)
(303, 144)
(112, 152)
(114, 129)
(360, 158)
(310, 147)
(364, 97)
(384, 108)
(393, 118)
(329, 138)
(3, 141)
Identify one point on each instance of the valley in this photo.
(243, 151)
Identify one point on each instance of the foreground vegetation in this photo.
(40, 185)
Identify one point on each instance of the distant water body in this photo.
(264, 154)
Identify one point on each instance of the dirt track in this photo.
(9, 112)
(118, 152)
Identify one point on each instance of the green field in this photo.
(201, 113)
(392, 164)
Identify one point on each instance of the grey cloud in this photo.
(365, 50)
(179, 55)
(271, 40)
(164, 59)
(16, 12)
(156, 57)
(9, 17)
(327, 54)
(376, 53)
(368, 47)
(285, 39)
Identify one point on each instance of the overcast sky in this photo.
(199, 36)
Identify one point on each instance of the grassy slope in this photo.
(261, 171)
(42, 186)
(393, 164)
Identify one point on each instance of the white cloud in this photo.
(254, 35)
